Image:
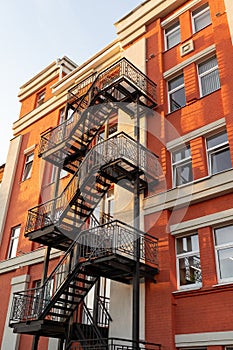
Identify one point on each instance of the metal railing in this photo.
(125, 69)
(61, 132)
(31, 303)
(84, 92)
(111, 238)
(120, 146)
(119, 238)
(113, 344)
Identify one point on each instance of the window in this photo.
(201, 18)
(182, 166)
(208, 76)
(218, 153)
(63, 173)
(176, 93)
(63, 116)
(40, 98)
(172, 35)
(28, 166)
(13, 242)
(224, 252)
(188, 261)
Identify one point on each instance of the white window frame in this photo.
(29, 158)
(14, 240)
(217, 249)
(214, 150)
(170, 92)
(199, 12)
(40, 97)
(168, 31)
(186, 255)
(176, 164)
(209, 71)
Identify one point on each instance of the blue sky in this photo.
(33, 33)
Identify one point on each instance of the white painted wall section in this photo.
(8, 179)
(10, 340)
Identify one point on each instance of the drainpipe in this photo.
(136, 279)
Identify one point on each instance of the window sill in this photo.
(191, 102)
(187, 289)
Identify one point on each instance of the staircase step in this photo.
(71, 302)
(79, 279)
(76, 287)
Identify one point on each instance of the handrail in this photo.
(117, 237)
(118, 146)
(121, 68)
(114, 344)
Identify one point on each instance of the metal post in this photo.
(46, 264)
(136, 279)
(35, 342)
(60, 344)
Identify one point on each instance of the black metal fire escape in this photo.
(107, 250)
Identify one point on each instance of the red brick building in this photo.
(116, 217)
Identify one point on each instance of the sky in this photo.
(34, 33)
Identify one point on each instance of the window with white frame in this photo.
(13, 242)
(218, 153)
(28, 166)
(229, 348)
(172, 35)
(40, 98)
(176, 93)
(188, 261)
(182, 166)
(223, 238)
(208, 76)
(201, 18)
(63, 116)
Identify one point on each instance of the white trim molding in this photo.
(11, 340)
(8, 180)
(218, 218)
(176, 14)
(203, 339)
(197, 57)
(29, 149)
(196, 192)
(203, 131)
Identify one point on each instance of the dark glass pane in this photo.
(220, 161)
(177, 99)
(224, 235)
(190, 270)
(217, 140)
(184, 174)
(225, 259)
(187, 244)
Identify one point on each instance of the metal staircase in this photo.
(92, 101)
(107, 162)
(108, 250)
